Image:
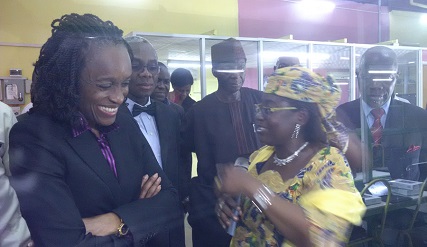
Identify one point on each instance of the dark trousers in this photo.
(206, 229)
(174, 236)
(209, 233)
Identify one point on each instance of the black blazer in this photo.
(168, 123)
(60, 179)
(405, 126)
(176, 166)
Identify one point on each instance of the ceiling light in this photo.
(172, 63)
(382, 71)
(318, 5)
(386, 79)
(230, 70)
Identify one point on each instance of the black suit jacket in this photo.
(176, 166)
(61, 179)
(168, 123)
(405, 126)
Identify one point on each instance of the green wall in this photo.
(24, 22)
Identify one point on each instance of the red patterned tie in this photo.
(377, 128)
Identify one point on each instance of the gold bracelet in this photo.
(262, 198)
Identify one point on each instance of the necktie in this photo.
(377, 128)
(150, 109)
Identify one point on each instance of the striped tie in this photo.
(377, 128)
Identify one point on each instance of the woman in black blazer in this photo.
(83, 172)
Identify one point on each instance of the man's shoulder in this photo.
(250, 90)
(410, 111)
(188, 100)
(163, 108)
(208, 100)
(177, 108)
(349, 106)
(250, 95)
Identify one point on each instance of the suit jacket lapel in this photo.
(395, 116)
(127, 174)
(164, 134)
(91, 155)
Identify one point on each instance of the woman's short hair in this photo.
(181, 77)
(62, 59)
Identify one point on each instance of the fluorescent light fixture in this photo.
(385, 79)
(382, 71)
(186, 64)
(318, 5)
(340, 83)
(412, 62)
(344, 58)
(230, 70)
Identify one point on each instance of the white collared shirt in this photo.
(370, 118)
(148, 127)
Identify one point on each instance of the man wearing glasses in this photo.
(219, 129)
(160, 126)
(397, 134)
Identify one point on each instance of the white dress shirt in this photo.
(370, 118)
(148, 127)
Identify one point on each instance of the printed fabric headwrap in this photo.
(304, 85)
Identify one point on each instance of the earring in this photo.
(296, 131)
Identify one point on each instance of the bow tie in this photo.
(150, 109)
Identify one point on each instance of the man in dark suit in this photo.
(161, 91)
(397, 134)
(160, 125)
(219, 129)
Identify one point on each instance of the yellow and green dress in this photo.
(325, 190)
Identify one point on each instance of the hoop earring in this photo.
(296, 131)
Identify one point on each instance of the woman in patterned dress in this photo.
(299, 190)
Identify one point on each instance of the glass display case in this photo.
(339, 60)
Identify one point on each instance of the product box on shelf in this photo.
(405, 184)
(404, 192)
(371, 200)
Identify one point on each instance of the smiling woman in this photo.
(298, 187)
(104, 84)
(78, 160)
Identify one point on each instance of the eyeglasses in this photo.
(152, 68)
(265, 111)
